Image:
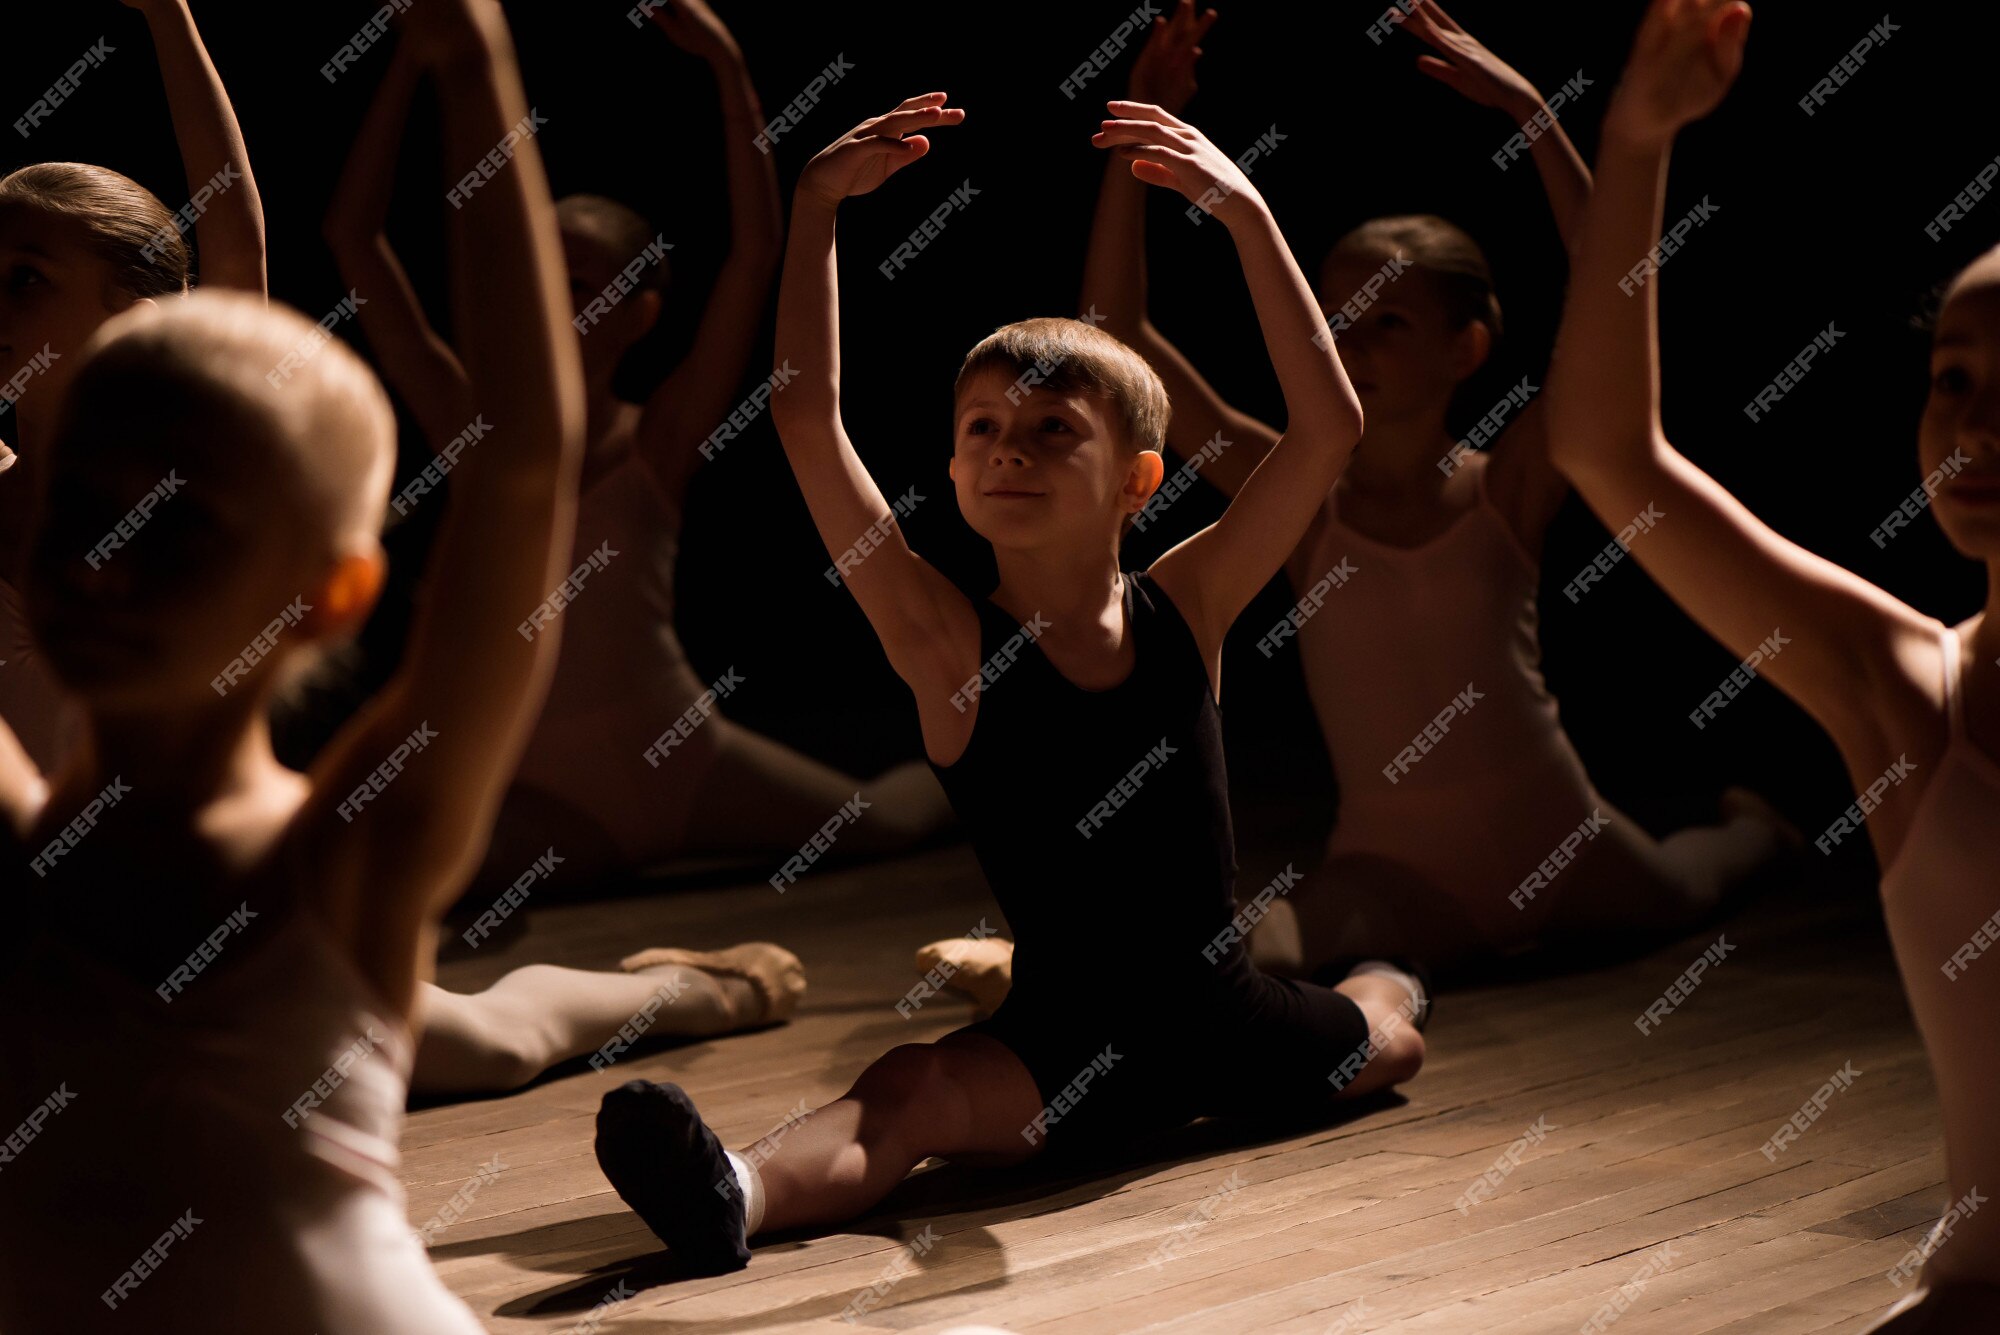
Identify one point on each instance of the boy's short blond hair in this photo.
(1069, 355)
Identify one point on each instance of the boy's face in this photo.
(1962, 414)
(52, 293)
(1034, 466)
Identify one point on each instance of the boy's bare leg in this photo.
(962, 1096)
(542, 1014)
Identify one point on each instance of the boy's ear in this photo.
(650, 306)
(347, 594)
(1470, 349)
(1143, 478)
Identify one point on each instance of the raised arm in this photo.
(928, 629)
(413, 358)
(1725, 567)
(23, 790)
(1214, 574)
(1525, 484)
(229, 234)
(456, 715)
(1464, 65)
(1114, 270)
(699, 393)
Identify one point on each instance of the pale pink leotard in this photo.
(1940, 896)
(622, 678)
(168, 1120)
(1404, 637)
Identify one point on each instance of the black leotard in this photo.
(1116, 879)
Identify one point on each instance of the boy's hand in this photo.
(1465, 65)
(1165, 150)
(1686, 56)
(875, 150)
(694, 28)
(1163, 75)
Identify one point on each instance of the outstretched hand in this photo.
(1165, 150)
(1163, 75)
(1463, 63)
(1687, 54)
(875, 150)
(695, 29)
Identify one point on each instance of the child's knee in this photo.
(1402, 1056)
(911, 1078)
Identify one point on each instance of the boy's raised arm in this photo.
(411, 787)
(1728, 569)
(1214, 574)
(927, 627)
(229, 233)
(413, 357)
(699, 393)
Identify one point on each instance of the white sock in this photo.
(751, 1184)
(1418, 1001)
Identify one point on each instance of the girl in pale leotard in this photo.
(80, 243)
(1423, 568)
(587, 782)
(213, 961)
(1912, 703)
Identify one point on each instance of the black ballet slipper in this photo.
(669, 1167)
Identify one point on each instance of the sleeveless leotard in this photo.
(1117, 882)
(1401, 639)
(622, 678)
(168, 1121)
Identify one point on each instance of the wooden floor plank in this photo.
(1643, 1142)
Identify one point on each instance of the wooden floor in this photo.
(1636, 1143)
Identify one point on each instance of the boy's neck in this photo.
(1067, 587)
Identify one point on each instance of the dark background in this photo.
(1818, 219)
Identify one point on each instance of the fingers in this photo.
(1443, 71)
(1434, 15)
(1124, 109)
(1149, 133)
(906, 118)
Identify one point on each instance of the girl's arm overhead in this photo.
(1214, 574)
(699, 393)
(928, 629)
(229, 236)
(414, 359)
(23, 790)
(396, 844)
(1524, 483)
(1114, 271)
(1731, 572)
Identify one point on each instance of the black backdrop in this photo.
(1819, 219)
